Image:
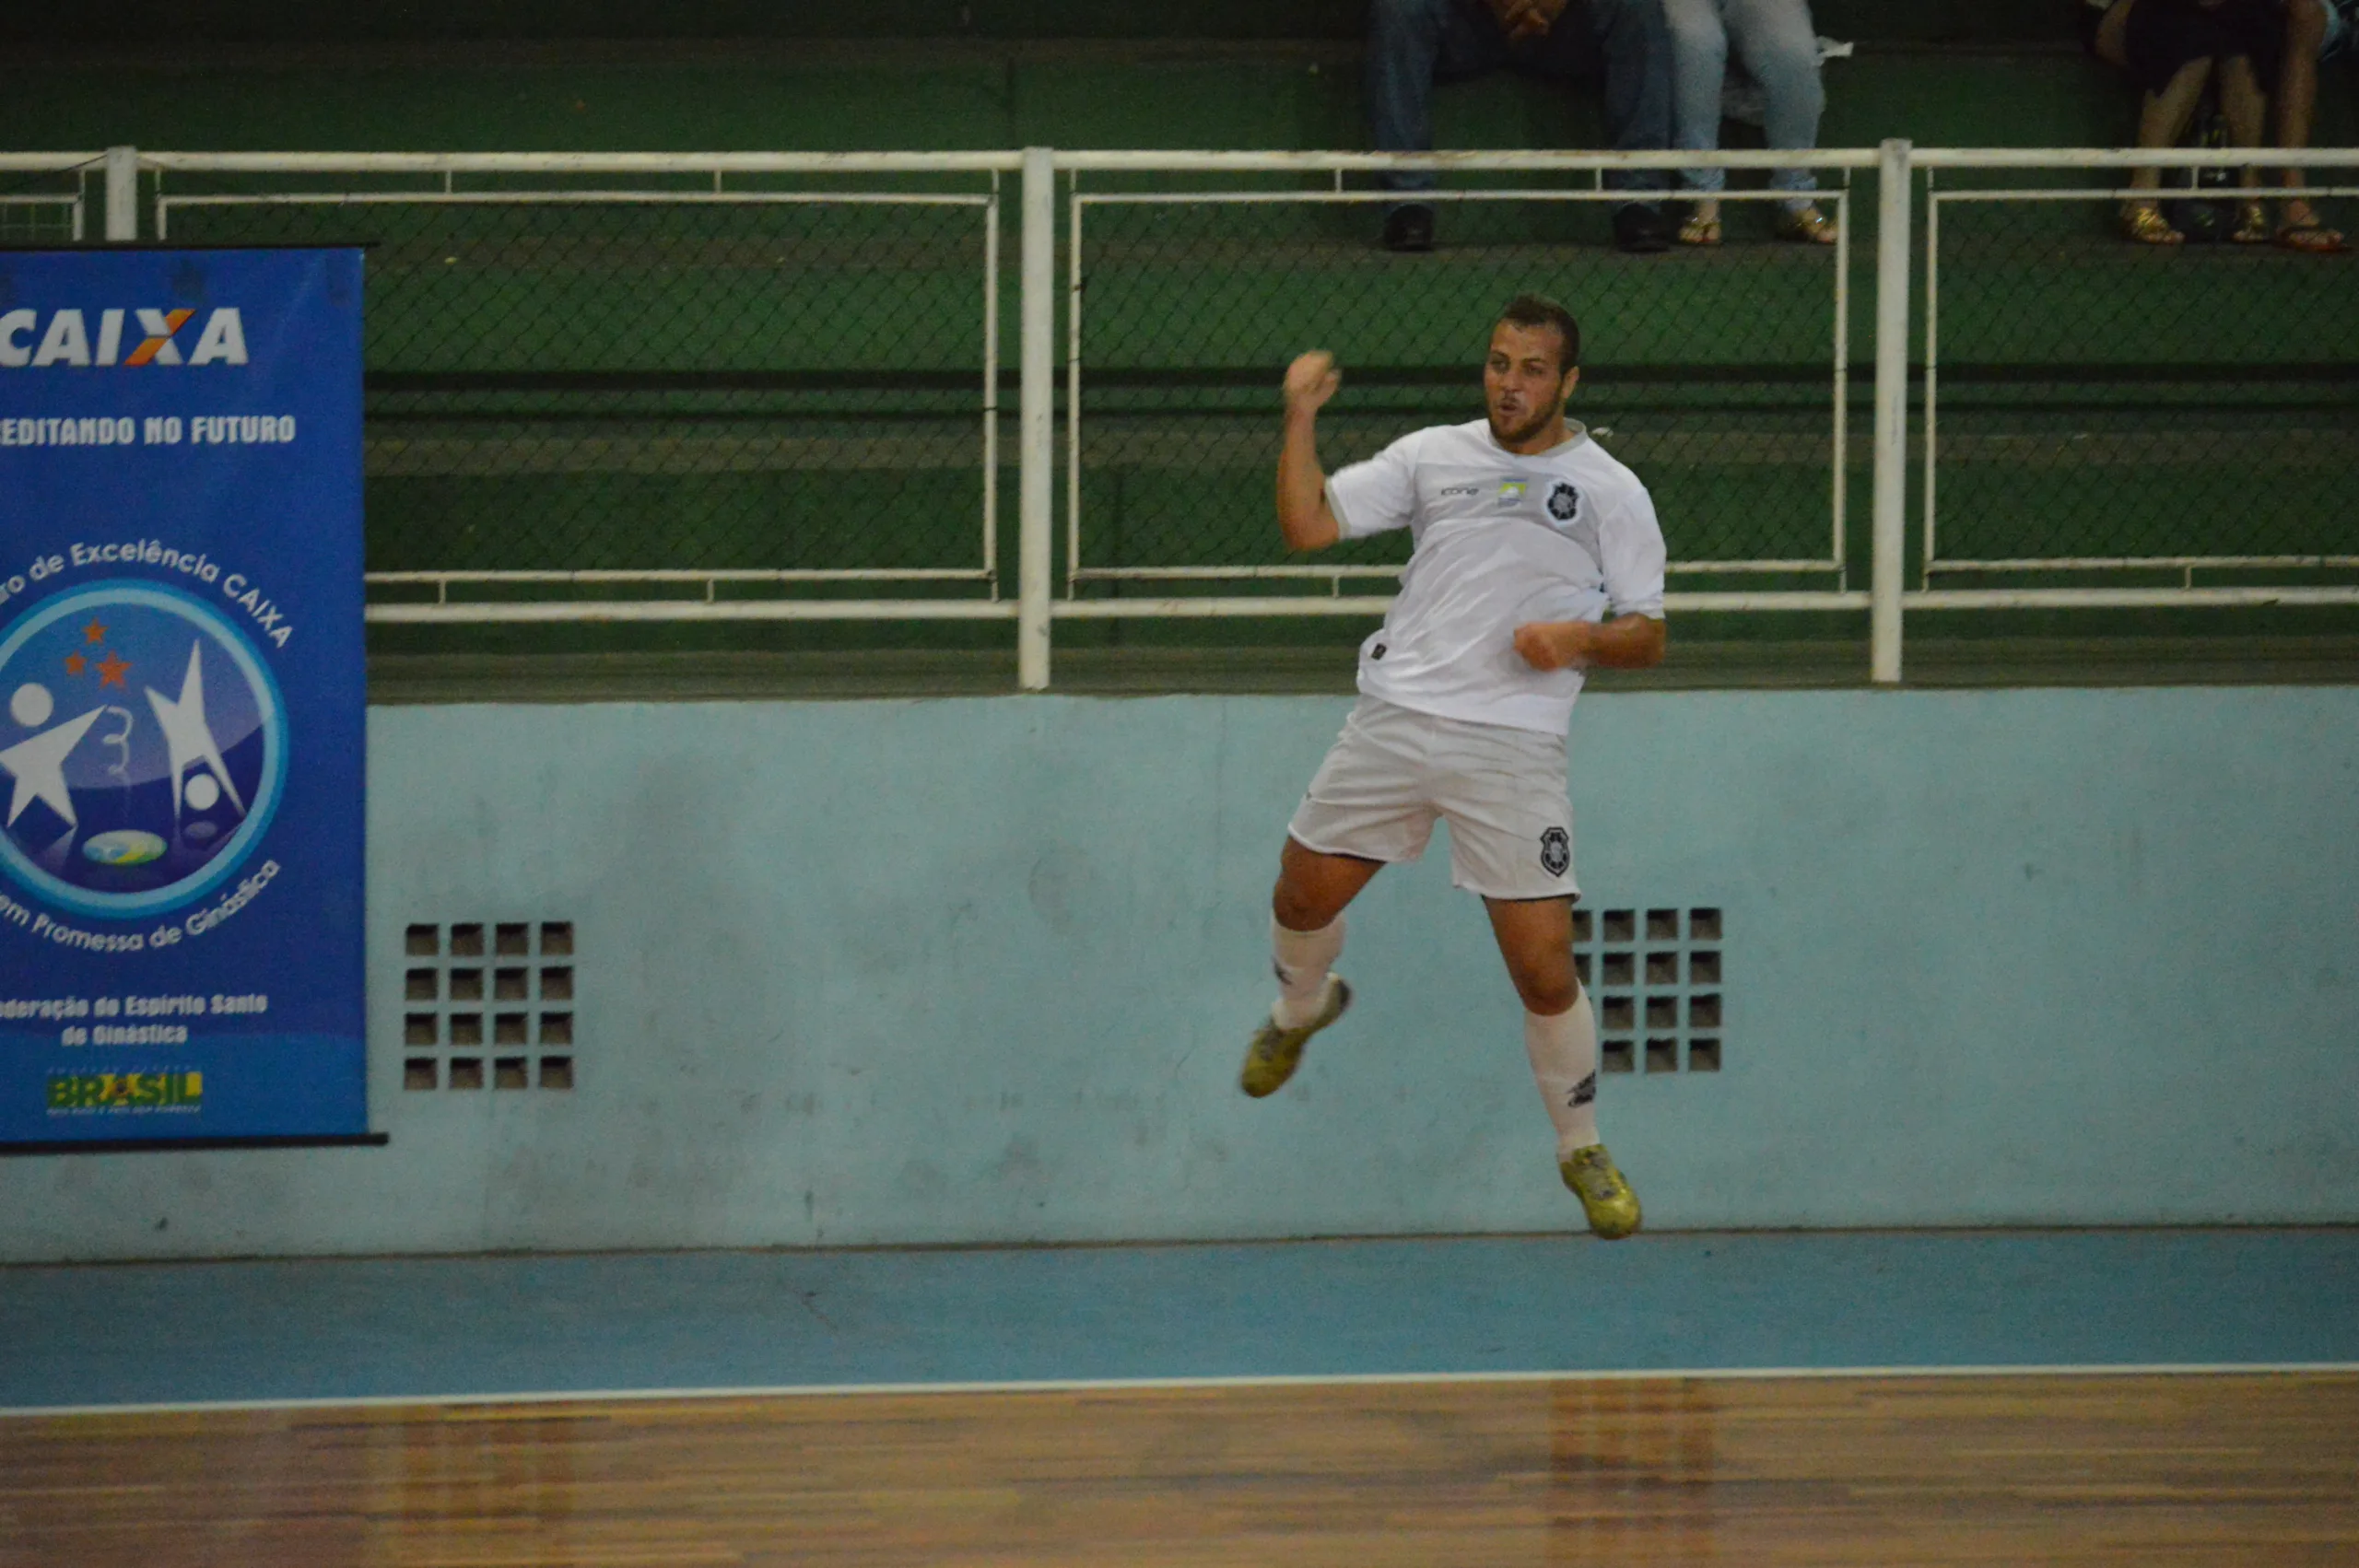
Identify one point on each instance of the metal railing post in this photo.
(122, 193)
(1036, 419)
(1892, 177)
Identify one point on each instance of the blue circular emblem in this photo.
(143, 749)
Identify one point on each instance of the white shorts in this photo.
(1394, 770)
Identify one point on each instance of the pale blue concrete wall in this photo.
(954, 971)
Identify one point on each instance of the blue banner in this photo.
(182, 698)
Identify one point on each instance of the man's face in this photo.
(1523, 387)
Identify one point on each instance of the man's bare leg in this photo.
(1306, 936)
(1535, 938)
(1314, 887)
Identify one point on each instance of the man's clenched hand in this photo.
(1311, 379)
(1552, 645)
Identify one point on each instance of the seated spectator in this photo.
(1778, 49)
(1413, 43)
(2173, 50)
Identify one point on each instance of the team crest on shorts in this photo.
(1563, 501)
(1555, 851)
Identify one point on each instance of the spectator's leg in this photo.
(2246, 108)
(1699, 57)
(2297, 97)
(1635, 42)
(1626, 45)
(1411, 45)
(2161, 122)
(1780, 50)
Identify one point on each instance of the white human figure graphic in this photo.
(187, 737)
(37, 766)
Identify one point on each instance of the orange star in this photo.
(112, 670)
(75, 663)
(94, 632)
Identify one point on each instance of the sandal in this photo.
(1702, 226)
(2143, 223)
(2302, 231)
(2252, 225)
(1807, 224)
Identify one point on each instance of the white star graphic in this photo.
(39, 768)
(187, 738)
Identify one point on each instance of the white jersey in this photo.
(1501, 540)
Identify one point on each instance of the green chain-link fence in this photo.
(2097, 404)
(1719, 375)
(754, 380)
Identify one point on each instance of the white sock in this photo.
(1301, 960)
(1563, 1063)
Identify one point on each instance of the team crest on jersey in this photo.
(1555, 851)
(1563, 501)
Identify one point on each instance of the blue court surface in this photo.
(109, 1335)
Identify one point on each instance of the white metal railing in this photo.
(442, 174)
(1334, 602)
(1896, 164)
(23, 219)
(2086, 169)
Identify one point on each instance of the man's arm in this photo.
(1303, 515)
(1627, 642)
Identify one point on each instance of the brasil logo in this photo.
(120, 1093)
(143, 749)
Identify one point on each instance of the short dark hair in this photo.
(1539, 310)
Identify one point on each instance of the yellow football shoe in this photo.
(1277, 1051)
(1606, 1198)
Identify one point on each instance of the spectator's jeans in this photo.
(1777, 48)
(1413, 43)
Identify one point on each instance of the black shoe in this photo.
(1641, 230)
(1409, 228)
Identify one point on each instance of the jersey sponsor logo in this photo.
(143, 747)
(1510, 494)
(1375, 653)
(1555, 851)
(1563, 501)
(1459, 490)
(30, 340)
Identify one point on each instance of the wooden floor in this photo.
(2022, 1469)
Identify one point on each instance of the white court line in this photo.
(1135, 1385)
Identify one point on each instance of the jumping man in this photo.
(1536, 555)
